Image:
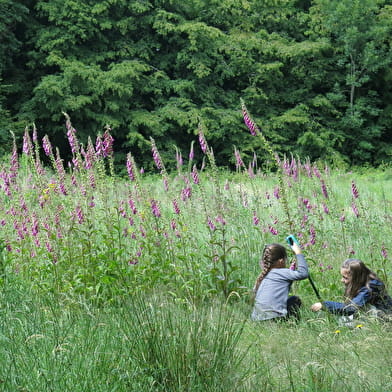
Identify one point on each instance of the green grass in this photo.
(99, 293)
(153, 344)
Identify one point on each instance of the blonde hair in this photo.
(271, 254)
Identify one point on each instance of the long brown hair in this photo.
(271, 254)
(360, 275)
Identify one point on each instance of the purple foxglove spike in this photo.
(132, 206)
(27, 145)
(191, 153)
(272, 230)
(176, 207)
(203, 142)
(130, 167)
(239, 162)
(256, 220)
(99, 147)
(211, 224)
(155, 154)
(248, 121)
(195, 175)
(312, 232)
(35, 136)
(155, 209)
(324, 189)
(384, 252)
(354, 190)
(107, 143)
(355, 209)
(316, 172)
(47, 146)
(165, 183)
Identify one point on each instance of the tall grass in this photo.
(142, 283)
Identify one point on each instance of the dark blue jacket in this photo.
(374, 295)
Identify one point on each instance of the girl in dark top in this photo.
(362, 288)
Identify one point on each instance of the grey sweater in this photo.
(272, 294)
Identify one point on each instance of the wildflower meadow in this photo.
(143, 281)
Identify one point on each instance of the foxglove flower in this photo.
(79, 214)
(256, 220)
(384, 252)
(47, 146)
(195, 175)
(248, 121)
(221, 220)
(176, 207)
(71, 134)
(155, 209)
(130, 168)
(355, 209)
(354, 190)
(211, 224)
(203, 142)
(132, 206)
(179, 159)
(272, 230)
(155, 155)
(99, 146)
(107, 143)
(312, 232)
(316, 172)
(324, 189)
(165, 183)
(27, 145)
(186, 193)
(191, 153)
(239, 162)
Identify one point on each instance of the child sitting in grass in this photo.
(363, 291)
(272, 287)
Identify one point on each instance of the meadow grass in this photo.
(144, 283)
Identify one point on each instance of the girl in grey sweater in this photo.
(272, 286)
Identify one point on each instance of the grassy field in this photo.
(143, 283)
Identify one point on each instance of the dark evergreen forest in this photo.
(315, 75)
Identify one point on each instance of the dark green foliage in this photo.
(315, 75)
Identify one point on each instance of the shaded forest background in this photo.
(315, 75)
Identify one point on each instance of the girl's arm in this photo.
(360, 300)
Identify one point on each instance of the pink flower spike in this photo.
(47, 146)
(155, 209)
(384, 252)
(354, 190)
(248, 121)
(324, 189)
(256, 220)
(176, 208)
(203, 142)
(195, 175)
(355, 209)
(27, 145)
(211, 224)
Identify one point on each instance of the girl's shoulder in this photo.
(376, 284)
